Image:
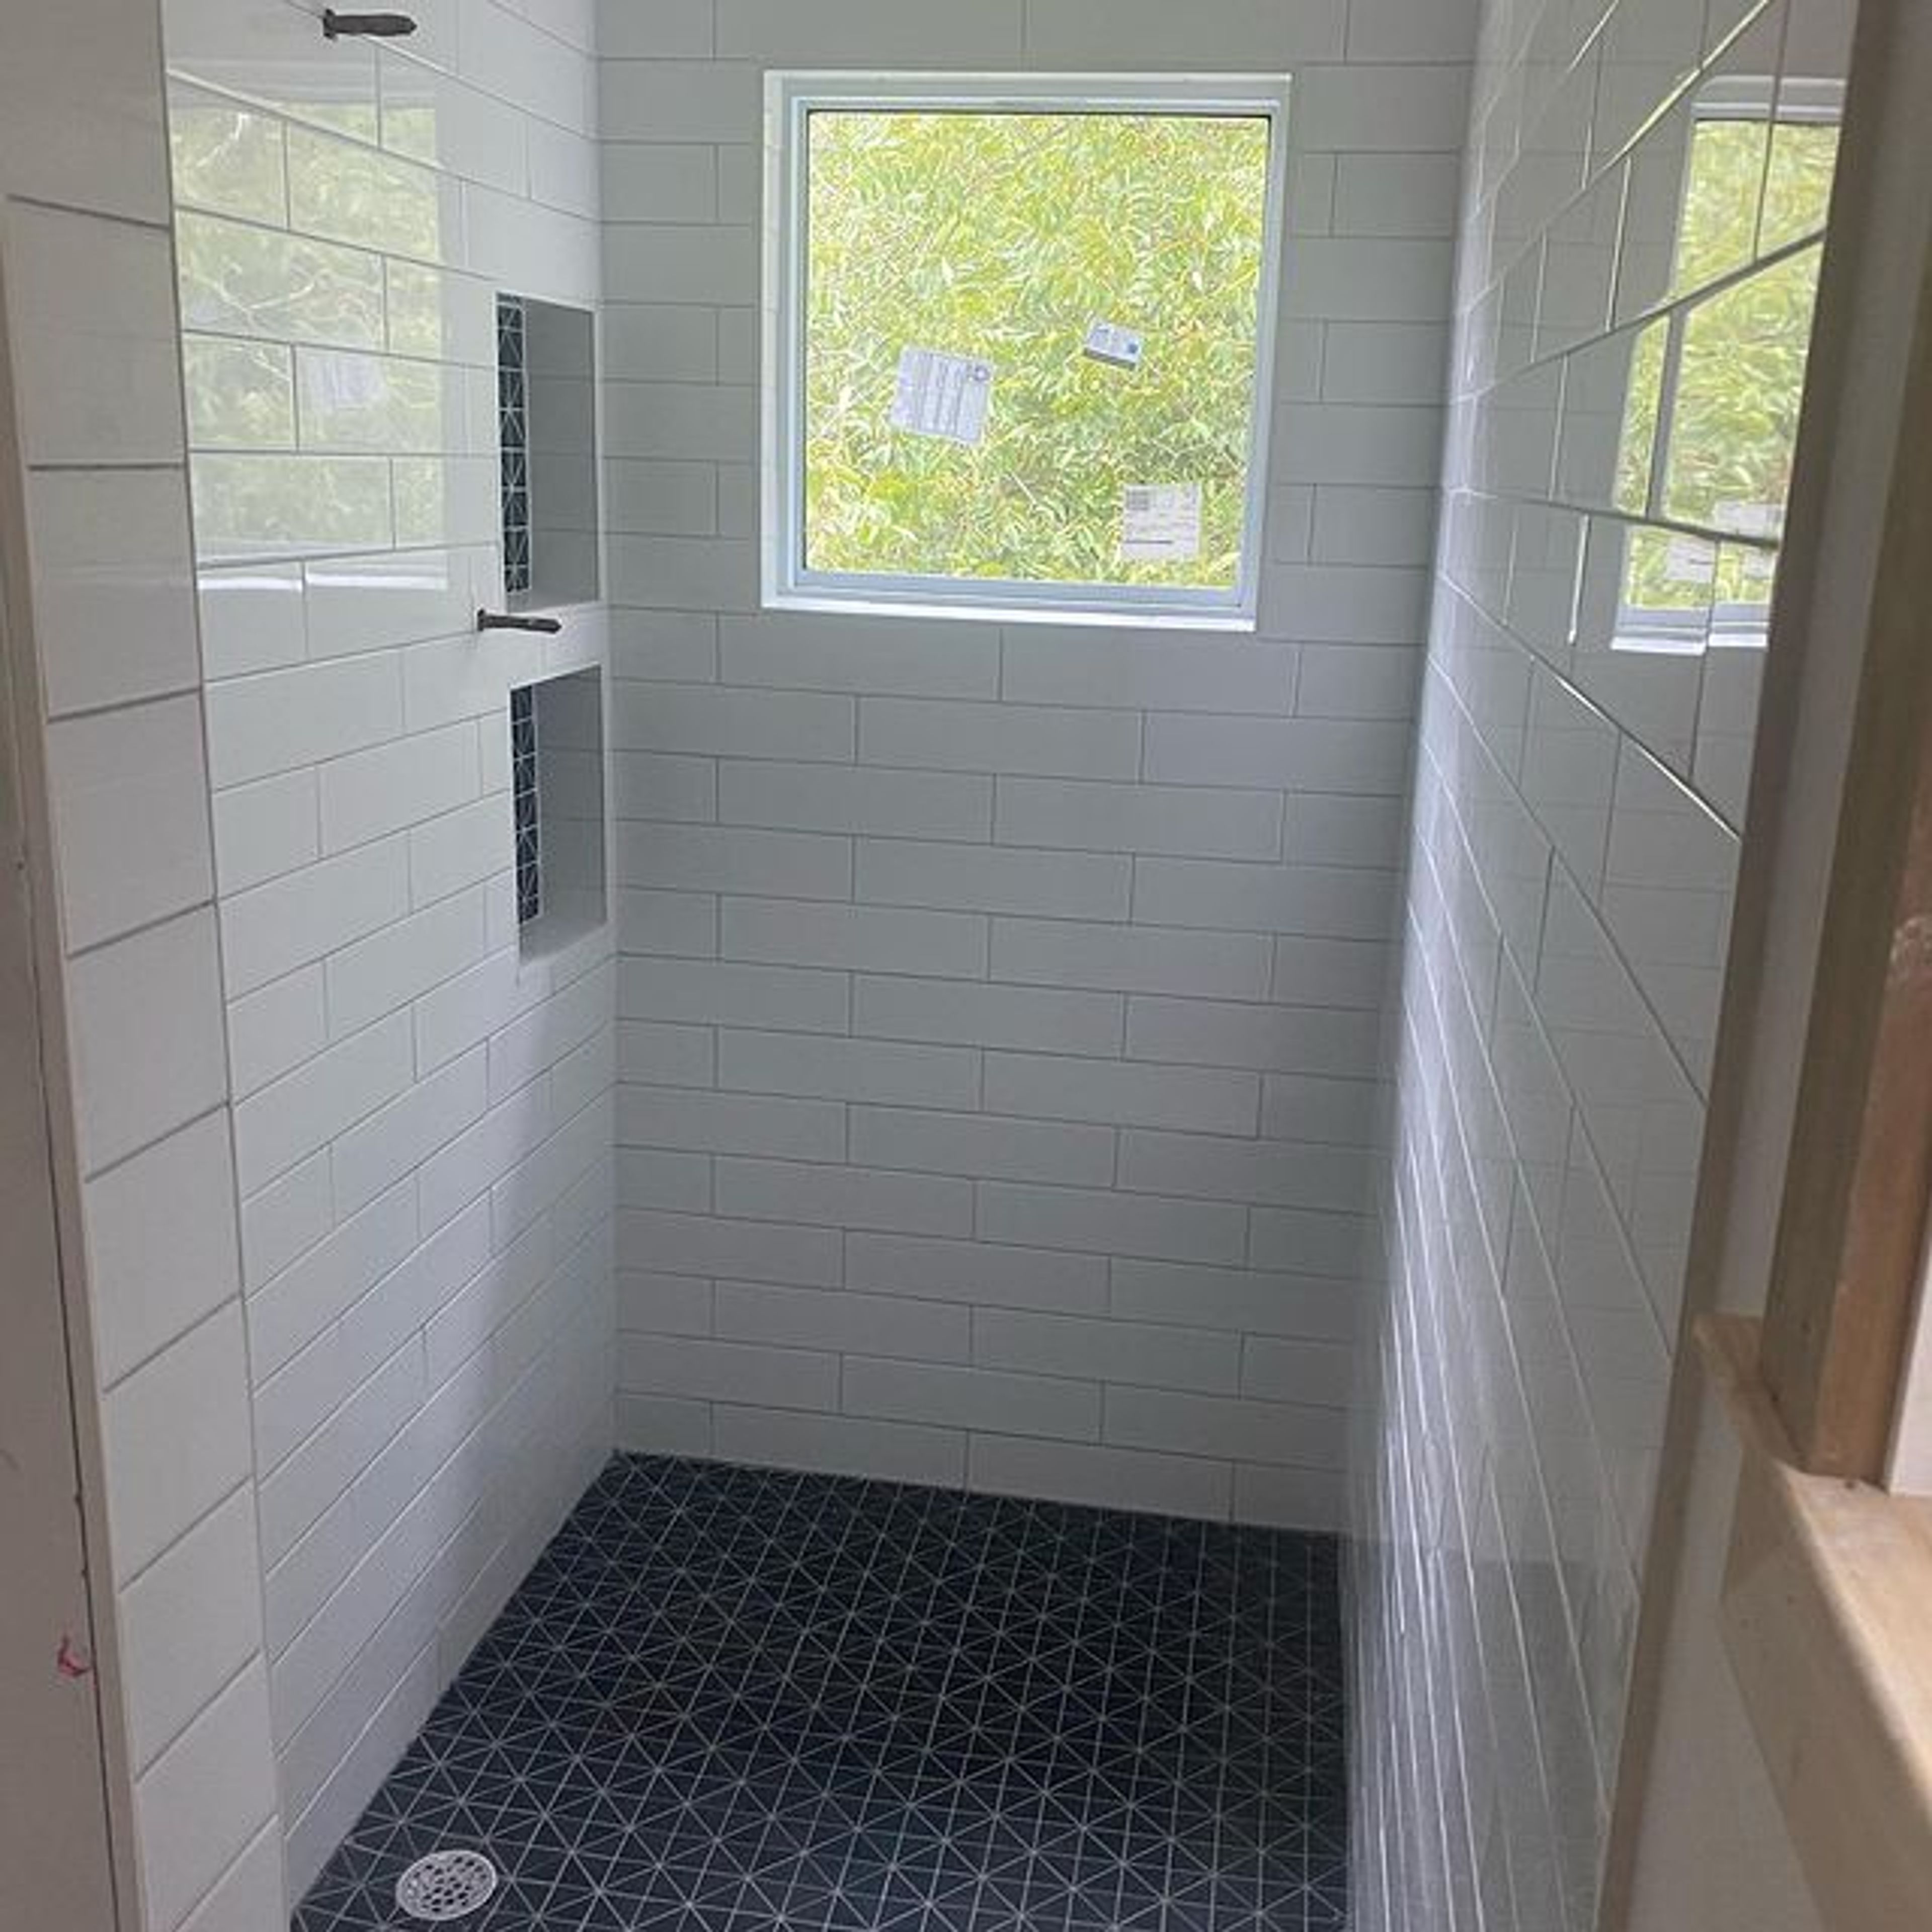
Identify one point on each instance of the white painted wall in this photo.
(999, 1007)
(422, 1122)
(1572, 868)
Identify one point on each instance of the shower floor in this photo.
(729, 1700)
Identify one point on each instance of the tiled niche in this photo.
(547, 424)
(557, 785)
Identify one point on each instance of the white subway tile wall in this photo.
(997, 1005)
(1571, 865)
(422, 1134)
(83, 227)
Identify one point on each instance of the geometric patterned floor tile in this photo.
(738, 1700)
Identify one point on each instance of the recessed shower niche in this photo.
(557, 789)
(547, 424)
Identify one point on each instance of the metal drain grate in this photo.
(446, 1884)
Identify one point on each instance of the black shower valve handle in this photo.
(507, 620)
(372, 26)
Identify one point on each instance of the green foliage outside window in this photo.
(1002, 236)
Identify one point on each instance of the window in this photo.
(1023, 335)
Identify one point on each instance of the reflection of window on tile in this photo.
(1717, 381)
(513, 444)
(1739, 381)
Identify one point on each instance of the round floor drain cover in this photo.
(446, 1884)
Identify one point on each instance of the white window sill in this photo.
(1116, 617)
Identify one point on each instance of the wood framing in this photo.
(1852, 1231)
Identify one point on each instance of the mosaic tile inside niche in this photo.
(728, 1698)
(524, 803)
(513, 441)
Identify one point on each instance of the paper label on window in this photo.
(1115, 342)
(943, 395)
(1690, 560)
(1160, 523)
(1752, 519)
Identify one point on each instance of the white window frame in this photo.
(787, 584)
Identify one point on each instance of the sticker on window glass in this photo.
(1751, 519)
(1689, 560)
(1160, 523)
(943, 395)
(1115, 343)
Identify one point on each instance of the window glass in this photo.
(1030, 346)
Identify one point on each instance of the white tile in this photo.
(378, 1151)
(814, 1195)
(983, 1145)
(870, 656)
(270, 723)
(733, 723)
(1108, 1223)
(302, 916)
(921, 1330)
(305, 1110)
(393, 966)
(272, 1032)
(1260, 1431)
(113, 588)
(188, 1623)
(938, 735)
(200, 1805)
(300, 1303)
(964, 1013)
(1056, 1087)
(95, 360)
(733, 858)
(176, 1440)
(848, 1070)
(135, 1081)
(1310, 754)
(1105, 1478)
(1111, 1350)
(739, 1249)
(1179, 821)
(905, 871)
(889, 939)
(841, 1445)
(162, 1253)
(969, 1398)
(1246, 1301)
(1313, 1038)
(681, 1365)
(1319, 902)
(1224, 965)
(251, 1893)
(1241, 33)
(848, 798)
(797, 1129)
(129, 793)
(265, 829)
(690, 992)
(84, 124)
(1132, 671)
(976, 1271)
